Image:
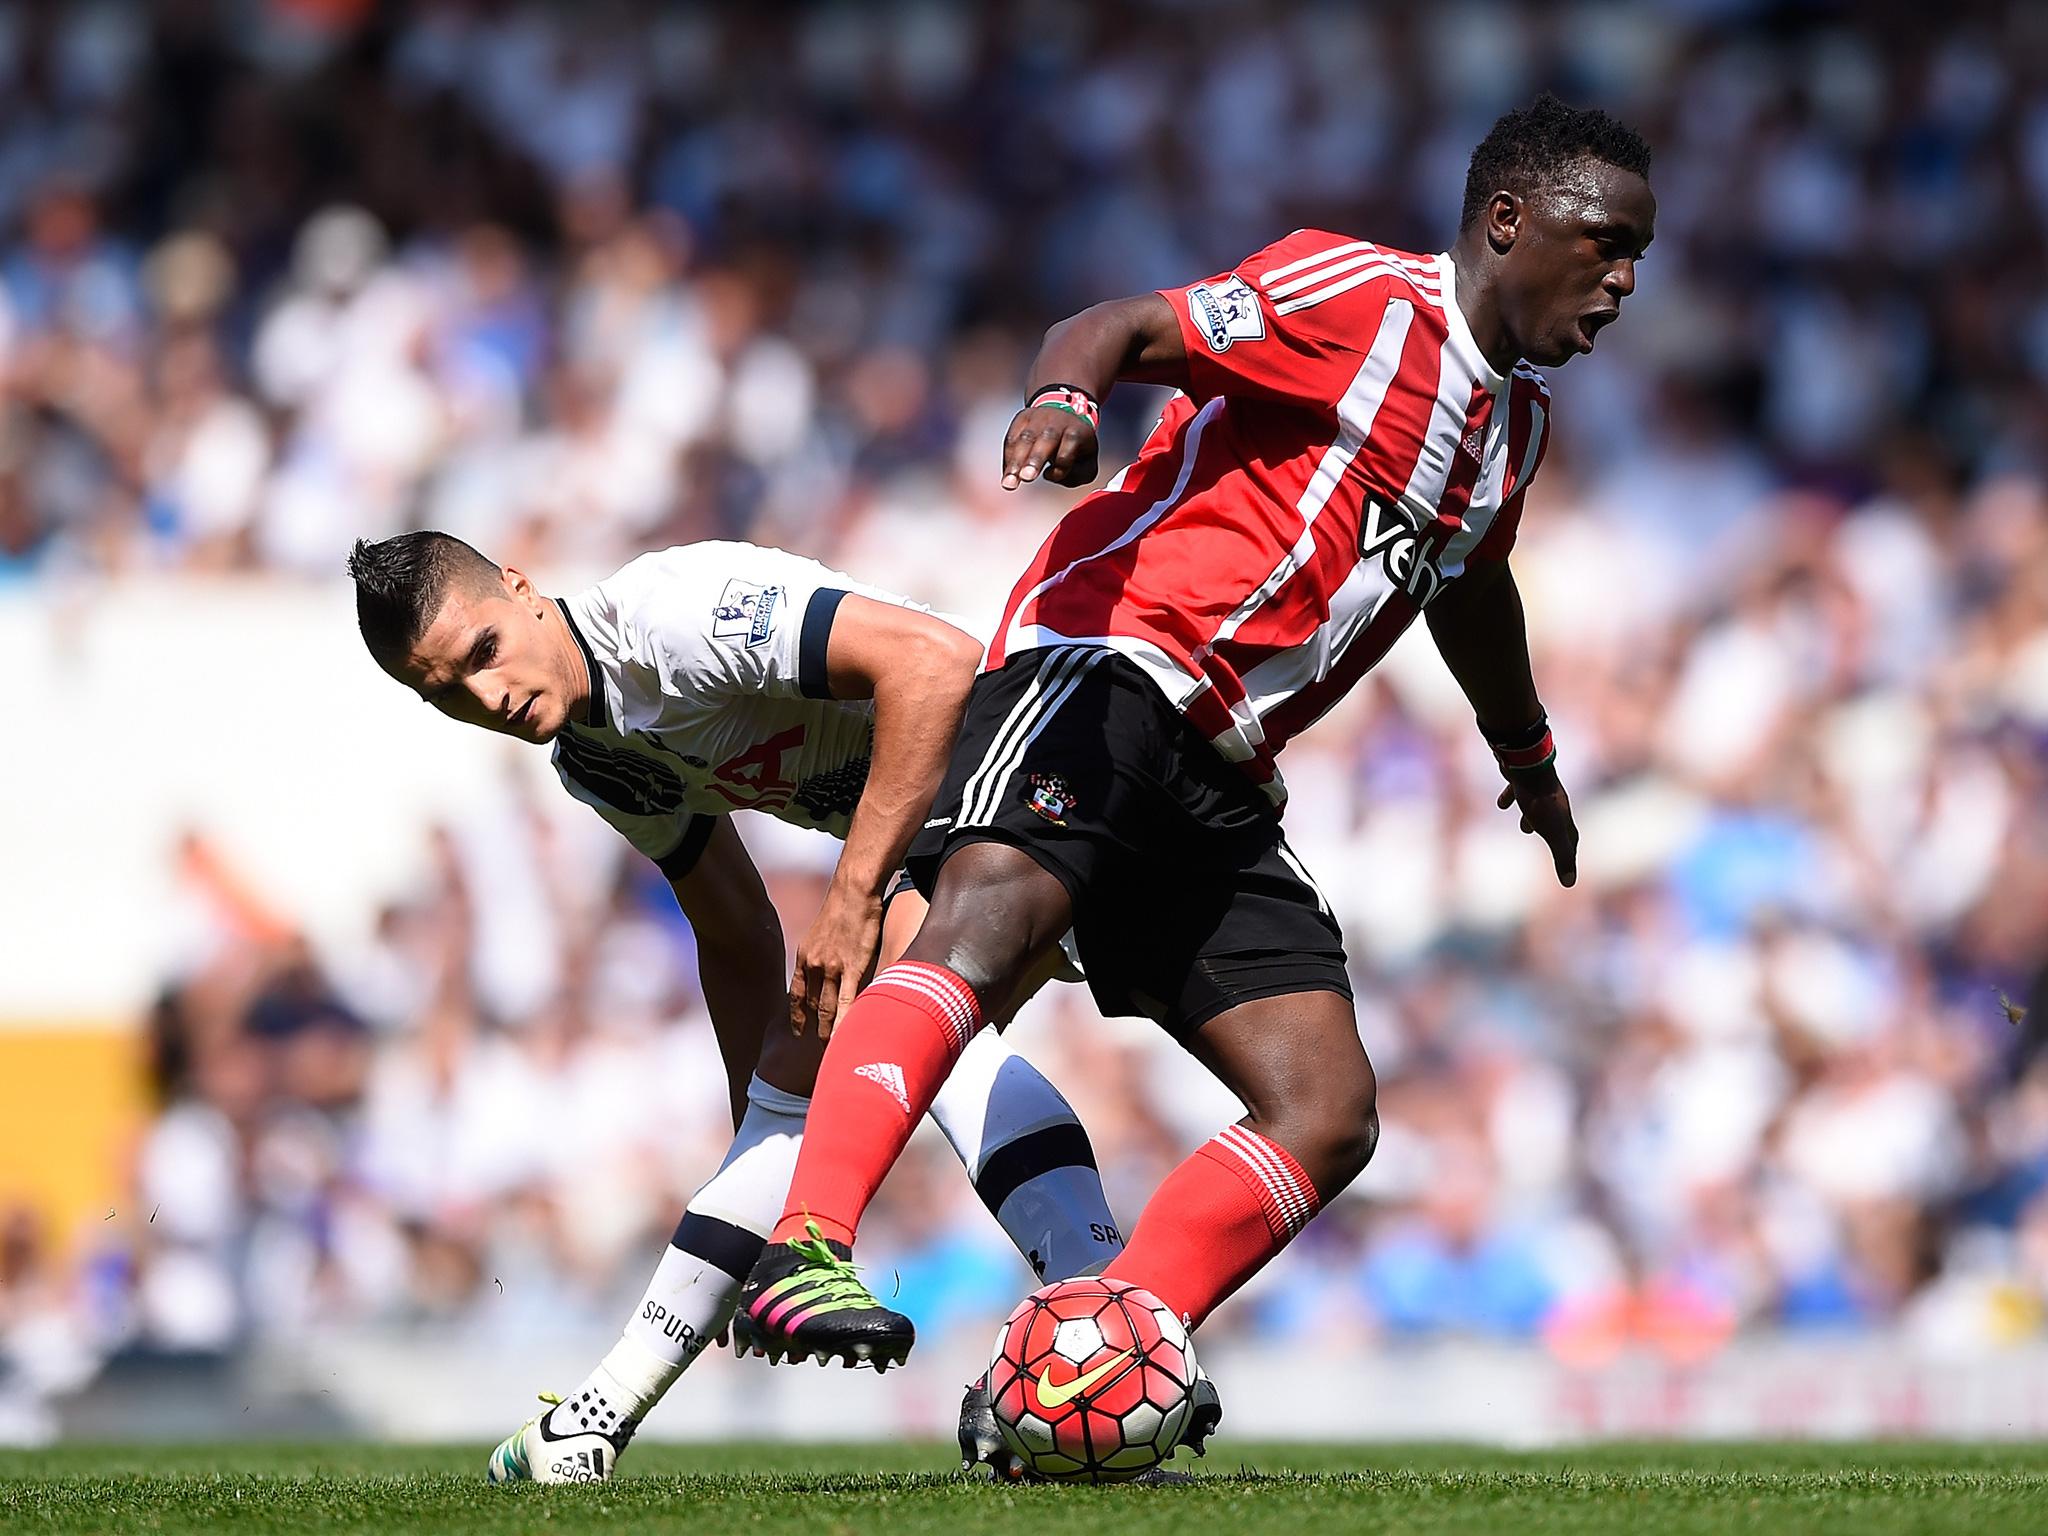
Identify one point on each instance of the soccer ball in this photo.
(1091, 1380)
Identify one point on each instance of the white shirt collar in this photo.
(1463, 343)
(599, 709)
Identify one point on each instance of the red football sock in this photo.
(1216, 1221)
(888, 1057)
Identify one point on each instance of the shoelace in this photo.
(550, 1401)
(841, 1280)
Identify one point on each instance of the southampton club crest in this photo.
(1051, 797)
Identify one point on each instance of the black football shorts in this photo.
(1187, 899)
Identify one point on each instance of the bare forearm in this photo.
(746, 988)
(1484, 640)
(917, 715)
(1136, 338)
(917, 669)
(739, 952)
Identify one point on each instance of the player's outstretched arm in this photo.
(917, 668)
(739, 955)
(1055, 434)
(1479, 630)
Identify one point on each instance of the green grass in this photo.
(1871, 1490)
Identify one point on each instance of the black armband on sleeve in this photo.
(812, 680)
(682, 858)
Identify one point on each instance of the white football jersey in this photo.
(710, 697)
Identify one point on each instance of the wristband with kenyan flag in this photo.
(1071, 398)
(1524, 751)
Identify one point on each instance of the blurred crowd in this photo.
(575, 283)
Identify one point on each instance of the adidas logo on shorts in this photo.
(887, 1075)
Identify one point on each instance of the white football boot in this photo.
(577, 1441)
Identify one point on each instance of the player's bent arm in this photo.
(739, 953)
(917, 668)
(1136, 339)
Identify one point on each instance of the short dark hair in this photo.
(1533, 145)
(401, 583)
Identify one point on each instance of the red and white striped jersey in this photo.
(1342, 452)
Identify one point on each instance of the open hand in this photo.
(832, 959)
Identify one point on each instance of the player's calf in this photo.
(1296, 1063)
(1223, 1215)
(888, 1058)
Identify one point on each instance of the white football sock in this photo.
(698, 1280)
(1030, 1160)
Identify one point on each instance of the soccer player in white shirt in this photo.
(695, 682)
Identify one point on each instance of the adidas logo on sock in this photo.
(886, 1074)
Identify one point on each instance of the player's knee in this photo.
(1362, 1132)
(994, 912)
(1342, 1127)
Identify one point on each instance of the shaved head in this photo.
(402, 582)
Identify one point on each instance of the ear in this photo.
(1503, 220)
(520, 588)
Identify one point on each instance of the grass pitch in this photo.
(1250, 1490)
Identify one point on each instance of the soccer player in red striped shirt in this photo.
(1355, 435)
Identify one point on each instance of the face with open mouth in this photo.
(1595, 321)
(1573, 260)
